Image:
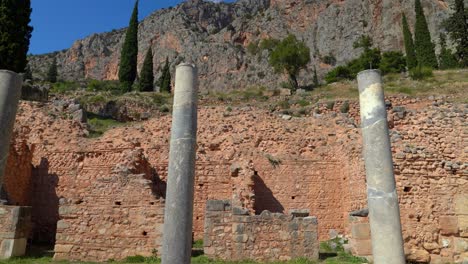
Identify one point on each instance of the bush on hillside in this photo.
(96, 85)
(420, 73)
(392, 62)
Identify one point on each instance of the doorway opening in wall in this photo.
(45, 210)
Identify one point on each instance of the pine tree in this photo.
(146, 74)
(316, 81)
(411, 60)
(129, 54)
(52, 73)
(457, 27)
(422, 39)
(165, 79)
(446, 59)
(15, 34)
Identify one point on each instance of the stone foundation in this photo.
(232, 234)
(15, 225)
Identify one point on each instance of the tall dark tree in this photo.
(15, 34)
(411, 60)
(422, 39)
(52, 73)
(165, 79)
(447, 59)
(457, 27)
(129, 53)
(146, 74)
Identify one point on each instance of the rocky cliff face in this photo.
(216, 36)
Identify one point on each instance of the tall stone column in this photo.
(382, 198)
(177, 233)
(10, 93)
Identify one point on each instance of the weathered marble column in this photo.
(10, 93)
(177, 233)
(382, 199)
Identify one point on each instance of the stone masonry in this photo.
(231, 233)
(15, 226)
(86, 191)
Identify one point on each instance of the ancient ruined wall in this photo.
(17, 180)
(232, 234)
(255, 158)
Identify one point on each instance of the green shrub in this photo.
(284, 104)
(329, 59)
(63, 87)
(420, 73)
(338, 74)
(393, 62)
(330, 105)
(268, 44)
(253, 48)
(198, 243)
(97, 85)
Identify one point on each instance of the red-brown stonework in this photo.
(95, 195)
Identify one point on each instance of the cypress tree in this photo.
(15, 34)
(457, 27)
(411, 60)
(52, 73)
(146, 75)
(165, 79)
(446, 59)
(422, 39)
(129, 54)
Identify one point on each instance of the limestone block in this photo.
(460, 245)
(63, 248)
(217, 205)
(361, 247)
(448, 225)
(437, 259)
(13, 248)
(419, 255)
(461, 204)
(463, 225)
(360, 231)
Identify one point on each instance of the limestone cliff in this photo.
(215, 36)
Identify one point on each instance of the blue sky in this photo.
(58, 23)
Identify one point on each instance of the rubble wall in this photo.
(232, 234)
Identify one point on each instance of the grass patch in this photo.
(99, 125)
(198, 244)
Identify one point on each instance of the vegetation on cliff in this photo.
(411, 60)
(457, 27)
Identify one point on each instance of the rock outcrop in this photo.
(215, 36)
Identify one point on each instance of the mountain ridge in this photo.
(215, 36)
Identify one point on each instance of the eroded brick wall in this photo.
(17, 179)
(318, 166)
(232, 234)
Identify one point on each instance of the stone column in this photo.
(384, 210)
(177, 233)
(10, 93)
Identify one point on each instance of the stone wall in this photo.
(15, 225)
(252, 157)
(17, 180)
(232, 234)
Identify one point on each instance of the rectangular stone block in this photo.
(460, 245)
(463, 225)
(63, 248)
(461, 204)
(13, 248)
(448, 225)
(360, 231)
(361, 247)
(218, 205)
